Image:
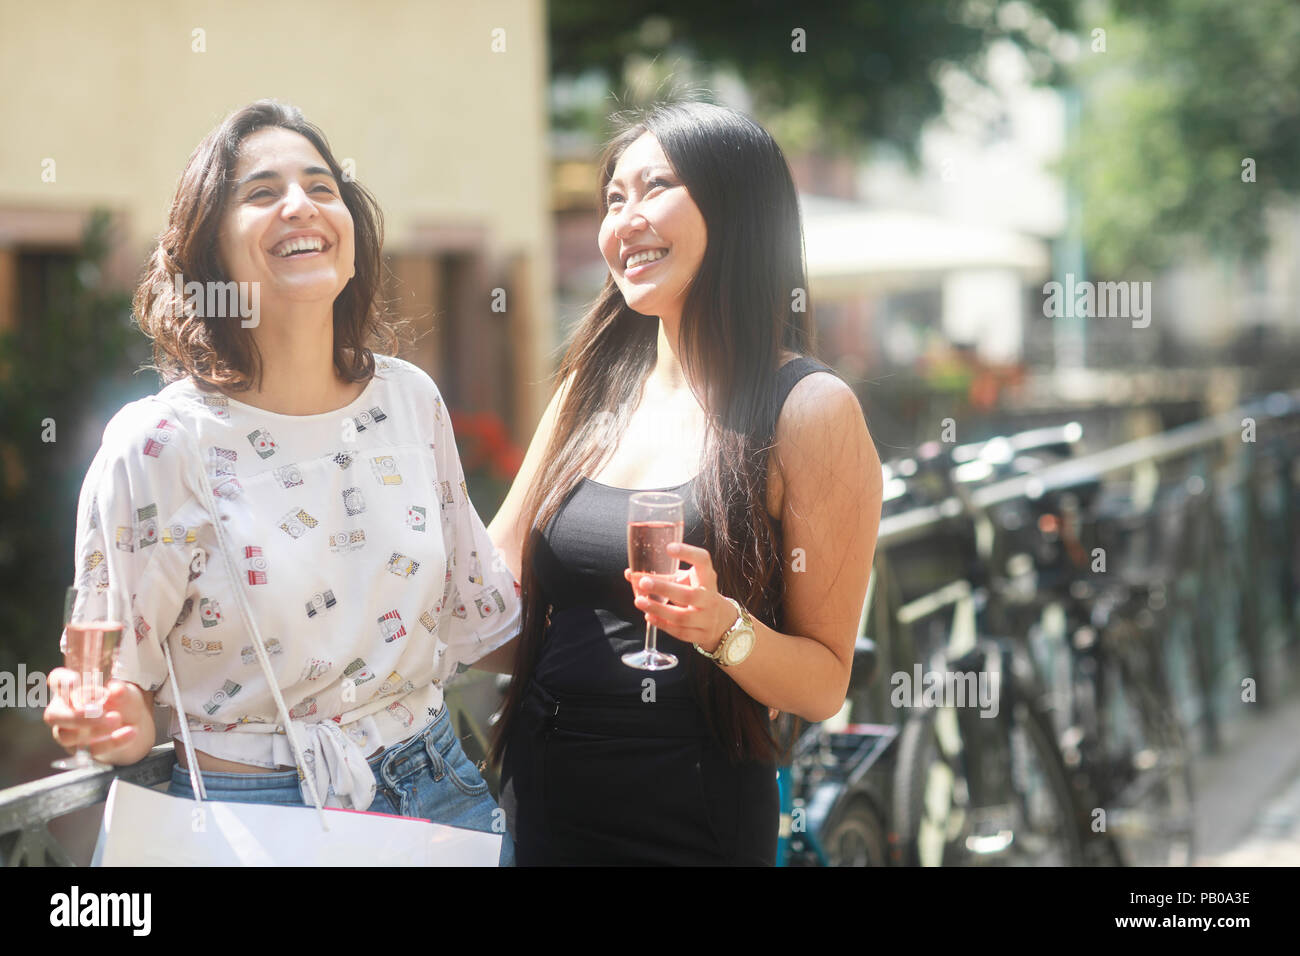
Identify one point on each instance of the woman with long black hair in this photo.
(690, 374)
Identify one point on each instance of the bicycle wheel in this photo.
(855, 836)
(1149, 793)
(973, 791)
(930, 793)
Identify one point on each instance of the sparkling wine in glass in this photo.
(654, 520)
(92, 632)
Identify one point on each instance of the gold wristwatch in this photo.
(737, 641)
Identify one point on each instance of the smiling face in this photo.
(653, 235)
(284, 224)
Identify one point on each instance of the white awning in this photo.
(852, 246)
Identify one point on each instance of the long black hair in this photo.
(745, 304)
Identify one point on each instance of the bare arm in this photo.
(830, 518)
(507, 531)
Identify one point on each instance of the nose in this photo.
(628, 221)
(297, 204)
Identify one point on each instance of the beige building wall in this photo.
(448, 133)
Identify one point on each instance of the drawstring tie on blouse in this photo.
(336, 761)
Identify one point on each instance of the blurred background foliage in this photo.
(71, 368)
(1181, 94)
(1184, 92)
(870, 72)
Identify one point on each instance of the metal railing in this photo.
(27, 809)
(1198, 436)
(911, 544)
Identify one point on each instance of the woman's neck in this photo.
(667, 377)
(298, 373)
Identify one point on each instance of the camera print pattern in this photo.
(332, 546)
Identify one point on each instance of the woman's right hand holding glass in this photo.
(122, 733)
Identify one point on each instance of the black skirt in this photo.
(606, 782)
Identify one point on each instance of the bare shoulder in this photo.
(820, 385)
(822, 436)
(805, 405)
(819, 401)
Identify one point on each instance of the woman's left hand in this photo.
(697, 613)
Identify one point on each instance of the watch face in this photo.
(739, 647)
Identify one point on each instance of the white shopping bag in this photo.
(143, 827)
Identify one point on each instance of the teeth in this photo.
(301, 244)
(650, 255)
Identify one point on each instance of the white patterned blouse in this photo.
(368, 573)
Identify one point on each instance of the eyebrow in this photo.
(272, 174)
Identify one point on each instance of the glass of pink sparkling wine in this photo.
(654, 520)
(92, 632)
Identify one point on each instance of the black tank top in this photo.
(579, 564)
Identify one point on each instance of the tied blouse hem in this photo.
(344, 777)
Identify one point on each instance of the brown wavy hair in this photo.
(737, 316)
(217, 352)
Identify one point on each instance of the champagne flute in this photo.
(654, 520)
(92, 632)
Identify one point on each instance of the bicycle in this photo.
(971, 789)
(833, 801)
(1098, 640)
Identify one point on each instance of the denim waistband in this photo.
(401, 756)
(614, 716)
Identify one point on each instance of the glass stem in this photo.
(652, 632)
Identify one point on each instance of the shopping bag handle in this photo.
(204, 488)
(196, 778)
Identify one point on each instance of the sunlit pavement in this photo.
(1274, 839)
(1248, 796)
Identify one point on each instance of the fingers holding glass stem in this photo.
(93, 627)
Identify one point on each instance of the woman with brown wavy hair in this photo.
(689, 374)
(288, 514)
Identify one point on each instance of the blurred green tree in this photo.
(64, 371)
(1184, 94)
(861, 70)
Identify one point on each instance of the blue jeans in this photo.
(428, 776)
